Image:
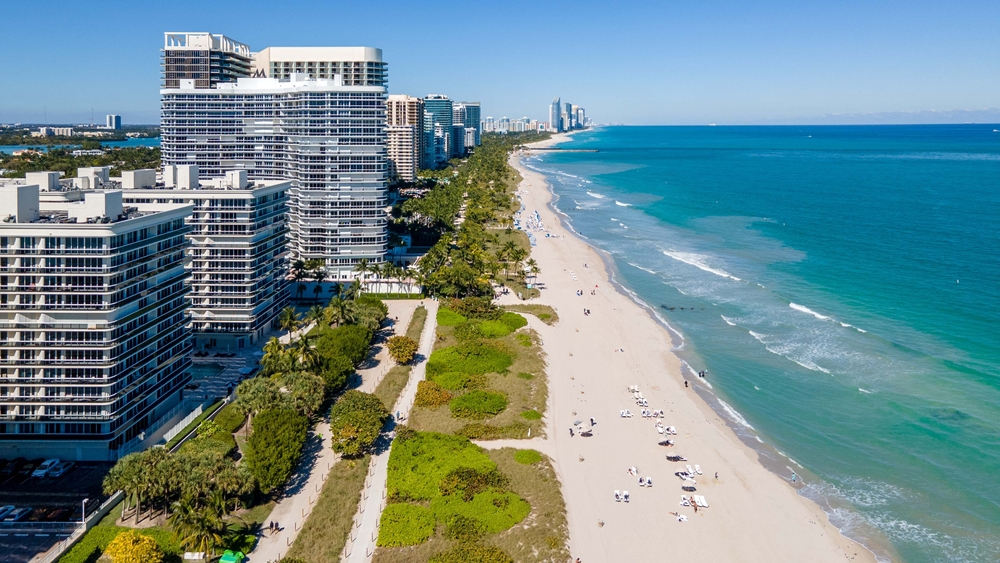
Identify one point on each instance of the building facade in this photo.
(113, 122)
(94, 345)
(327, 138)
(438, 116)
(202, 60)
(357, 66)
(555, 116)
(238, 254)
(471, 114)
(404, 132)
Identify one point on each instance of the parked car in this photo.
(61, 469)
(39, 514)
(5, 510)
(12, 467)
(46, 466)
(27, 468)
(58, 515)
(18, 514)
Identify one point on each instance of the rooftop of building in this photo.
(319, 54)
(295, 82)
(203, 40)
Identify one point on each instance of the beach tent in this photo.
(232, 557)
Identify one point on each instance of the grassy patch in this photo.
(194, 424)
(526, 375)
(470, 357)
(544, 313)
(418, 464)
(90, 547)
(404, 524)
(494, 510)
(472, 552)
(325, 533)
(527, 457)
(531, 415)
(392, 384)
(479, 431)
(417, 323)
(478, 404)
(395, 295)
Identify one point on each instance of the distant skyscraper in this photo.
(404, 129)
(437, 113)
(204, 59)
(113, 122)
(555, 115)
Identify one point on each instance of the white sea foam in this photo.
(614, 218)
(697, 261)
(641, 268)
(737, 417)
(623, 204)
(623, 225)
(866, 391)
(757, 388)
(803, 309)
(728, 322)
(808, 364)
(592, 194)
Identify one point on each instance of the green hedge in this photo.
(496, 510)
(417, 464)
(470, 357)
(96, 540)
(230, 418)
(447, 317)
(478, 404)
(404, 524)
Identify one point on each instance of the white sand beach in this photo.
(753, 514)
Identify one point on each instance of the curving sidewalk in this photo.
(361, 545)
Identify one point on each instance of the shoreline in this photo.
(799, 542)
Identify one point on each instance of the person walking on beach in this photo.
(685, 384)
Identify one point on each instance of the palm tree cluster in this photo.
(471, 210)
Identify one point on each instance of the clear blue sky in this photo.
(668, 62)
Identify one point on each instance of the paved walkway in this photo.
(361, 546)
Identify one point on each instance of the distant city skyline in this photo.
(724, 63)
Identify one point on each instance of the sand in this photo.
(753, 514)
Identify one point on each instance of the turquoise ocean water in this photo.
(842, 287)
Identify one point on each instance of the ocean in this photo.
(841, 286)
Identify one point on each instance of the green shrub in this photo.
(447, 317)
(335, 371)
(274, 447)
(525, 375)
(478, 404)
(94, 542)
(523, 339)
(350, 341)
(494, 329)
(452, 380)
(469, 482)
(480, 431)
(463, 528)
(513, 321)
(405, 524)
(230, 418)
(356, 421)
(531, 415)
(470, 357)
(476, 308)
(497, 510)
(527, 457)
(464, 553)
(431, 395)
(468, 331)
(418, 463)
(402, 349)
(545, 317)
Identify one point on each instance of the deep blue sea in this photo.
(841, 285)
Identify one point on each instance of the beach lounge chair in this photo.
(697, 469)
(628, 413)
(649, 481)
(685, 501)
(701, 501)
(688, 486)
(642, 482)
(622, 413)
(682, 518)
(618, 496)
(690, 471)
(625, 496)
(659, 430)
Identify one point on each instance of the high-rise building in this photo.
(555, 115)
(404, 132)
(113, 122)
(357, 66)
(202, 60)
(470, 115)
(238, 267)
(581, 117)
(94, 345)
(437, 114)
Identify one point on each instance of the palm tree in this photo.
(353, 290)
(299, 274)
(288, 319)
(339, 311)
(314, 314)
(533, 269)
(362, 269)
(304, 355)
(198, 529)
(320, 276)
(275, 359)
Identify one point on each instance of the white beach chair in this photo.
(659, 429)
(690, 471)
(628, 413)
(697, 469)
(682, 518)
(649, 481)
(642, 482)
(701, 501)
(684, 501)
(622, 413)
(625, 496)
(618, 496)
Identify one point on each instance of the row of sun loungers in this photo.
(619, 497)
(626, 413)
